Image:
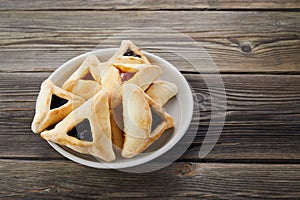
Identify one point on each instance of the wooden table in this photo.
(256, 46)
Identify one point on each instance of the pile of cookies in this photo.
(106, 107)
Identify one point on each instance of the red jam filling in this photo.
(125, 76)
(88, 76)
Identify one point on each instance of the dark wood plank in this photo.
(265, 42)
(147, 5)
(260, 95)
(257, 148)
(43, 180)
(27, 146)
(262, 121)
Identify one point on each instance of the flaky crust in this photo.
(125, 45)
(111, 79)
(135, 145)
(138, 120)
(85, 88)
(44, 117)
(143, 78)
(162, 91)
(119, 98)
(96, 110)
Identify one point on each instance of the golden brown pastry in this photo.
(123, 107)
(85, 81)
(129, 53)
(53, 104)
(113, 77)
(144, 120)
(143, 77)
(162, 91)
(87, 129)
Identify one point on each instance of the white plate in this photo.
(181, 108)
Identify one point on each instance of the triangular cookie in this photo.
(87, 129)
(85, 81)
(112, 79)
(128, 53)
(143, 77)
(133, 66)
(128, 64)
(53, 104)
(144, 120)
(162, 91)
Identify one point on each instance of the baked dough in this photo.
(117, 103)
(111, 79)
(130, 62)
(44, 116)
(143, 78)
(128, 53)
(144, 120)
(85, 81)
(96, 111)
(162, 91)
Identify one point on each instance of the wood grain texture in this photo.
(266, 42)
(257, 52)
(148, 5)
(43, 180)
(262, 120)
(257, 148)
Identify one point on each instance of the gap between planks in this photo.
(153, 5)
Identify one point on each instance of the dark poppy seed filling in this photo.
(88, 76)
(129, 52)
(57, 102)
(156, 119)
(82, 131)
